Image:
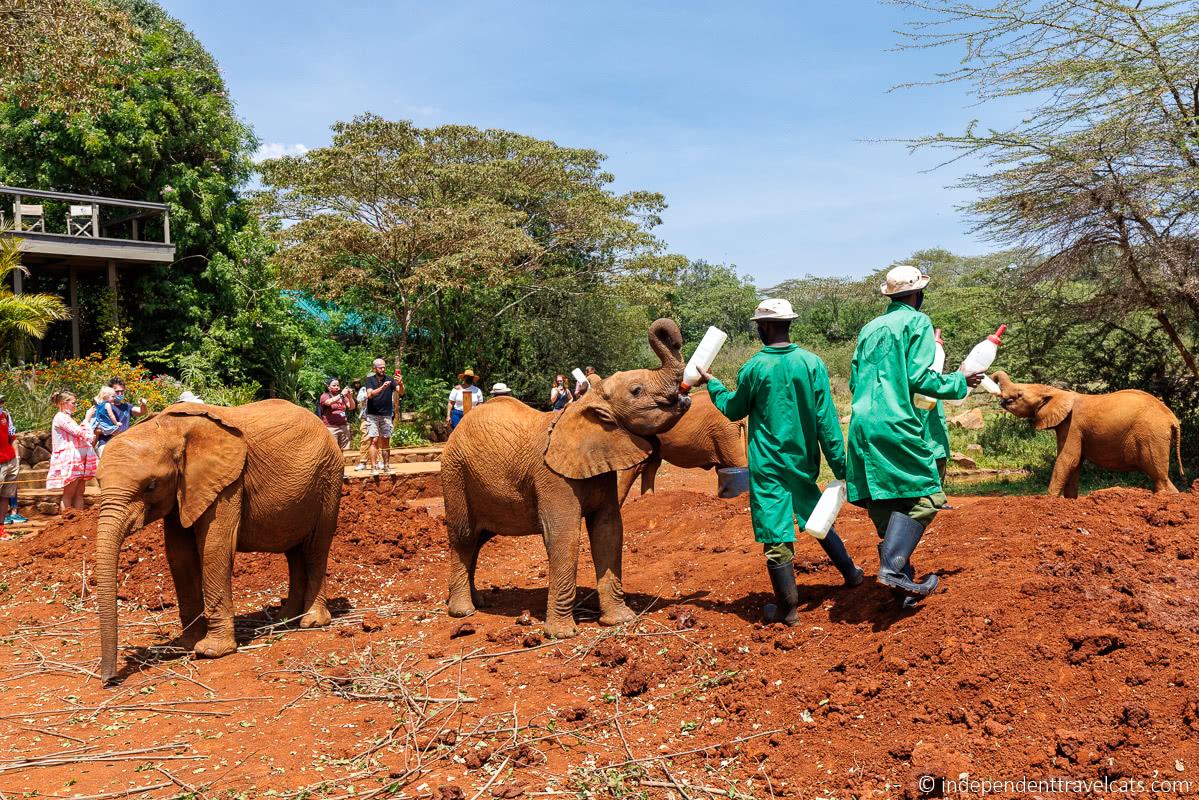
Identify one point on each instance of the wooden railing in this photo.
(83, 216)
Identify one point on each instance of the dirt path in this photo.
(1065, 643)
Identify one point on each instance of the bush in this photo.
(28, 389)
(408, 436)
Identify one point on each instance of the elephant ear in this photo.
(1054, 409)
(211, 454)
(585, 441)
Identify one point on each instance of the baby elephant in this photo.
(1127, 431)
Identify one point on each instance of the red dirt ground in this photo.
(1063, 644)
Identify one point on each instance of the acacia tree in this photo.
(389, 217)
(1105, 166)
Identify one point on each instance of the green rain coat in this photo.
(890, 456)
(936, 431)
(786, 394)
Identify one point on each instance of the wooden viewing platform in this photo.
(62, 232)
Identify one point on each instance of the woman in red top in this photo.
(335, 403)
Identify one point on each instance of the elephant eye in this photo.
(636, 391)
(151, 486)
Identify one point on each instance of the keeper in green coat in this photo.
(785, 392)
(892, 468)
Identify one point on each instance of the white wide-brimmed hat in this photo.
(501, 388)
(774, 308)
(903, 279)
(188, 397)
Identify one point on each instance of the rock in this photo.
(477, 758)
(46, 507)
(636, 680)
(963, 461)
(971, 420)
(465, 629)
(372, 622)
(974, 448)
(39, 455)
(450, 792)
(525, 618)
(42, 465)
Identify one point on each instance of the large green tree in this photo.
(390, 218)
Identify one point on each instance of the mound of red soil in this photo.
(1064, 642)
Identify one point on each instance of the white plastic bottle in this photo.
(827, 508)
(703, 356)
(990, 385)
(919, 400)
(980, 358)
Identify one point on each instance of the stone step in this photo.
(404, 455)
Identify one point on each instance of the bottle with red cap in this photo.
(981, 357)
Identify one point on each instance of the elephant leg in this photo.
(476, 596)
(561, 536)
(464, 547)
(316, 564)
(1070, 491)
(649, 475)
(297, 581)
(216, 536)
(1069, 460)
(625, 480)
(186, 573)
(605, 529)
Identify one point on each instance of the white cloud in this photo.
(277, 150)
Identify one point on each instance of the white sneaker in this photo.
(360, 466)
(380, 467)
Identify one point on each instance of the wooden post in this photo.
(74, 297)
(166, 227)
(134, 221)
(16, 213)
(17, 281)
(112, 290)
(96, 220)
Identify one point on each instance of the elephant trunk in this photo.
(667, 344)
(116, 522)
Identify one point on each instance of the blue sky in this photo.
(754, 119)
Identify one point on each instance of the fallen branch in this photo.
(491, 780)
(738, 740)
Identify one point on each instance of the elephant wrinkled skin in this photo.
(263, 477)
(704, 438)
(1126, 431)
(510, 470)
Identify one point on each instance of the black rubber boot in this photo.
(786, 594)
(902, 536)
(834, 548)
(906, 601)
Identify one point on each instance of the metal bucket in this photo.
(732, 481)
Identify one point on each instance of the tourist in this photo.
(72, 459)
(785, 392)
(126, 413)
(364, 441)
(455, 409)
(560, 395)
(335, 404)
(10, 465)
(102, 418)
(501, 390)
(892, 469)
(583, 386)
(381, 395)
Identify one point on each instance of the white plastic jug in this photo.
(827, 508)
(980, 358)
(578, 375)
(919, 400)
(703, 356)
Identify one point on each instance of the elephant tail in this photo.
(1176, 435)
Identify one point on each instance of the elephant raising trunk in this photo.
(667, 343)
